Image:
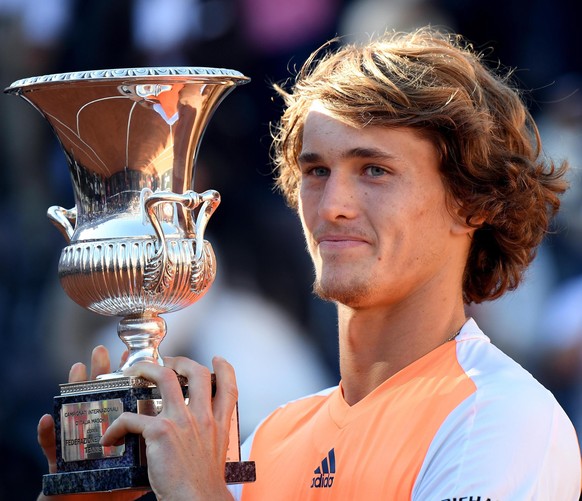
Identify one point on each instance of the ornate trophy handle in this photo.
(210, 199)
(63, 219)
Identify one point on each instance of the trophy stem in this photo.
(142, 336)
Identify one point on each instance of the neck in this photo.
(376, 343)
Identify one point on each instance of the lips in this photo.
(339, 240)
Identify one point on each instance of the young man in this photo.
(420, 184)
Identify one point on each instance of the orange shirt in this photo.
(424, 434)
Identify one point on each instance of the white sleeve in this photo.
(503, 446)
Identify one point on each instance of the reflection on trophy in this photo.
(135, 243)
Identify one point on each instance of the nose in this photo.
(338, 198)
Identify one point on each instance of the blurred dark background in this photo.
(264, 271)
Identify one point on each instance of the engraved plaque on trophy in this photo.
(135, 243)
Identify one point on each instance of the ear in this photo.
(460, 226)
(463, 225)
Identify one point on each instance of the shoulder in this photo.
(503, 387)
(507, 397)
(509, 436)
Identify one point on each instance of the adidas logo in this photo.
(324, 474)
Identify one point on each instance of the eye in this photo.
(318, 171)
(375, 171)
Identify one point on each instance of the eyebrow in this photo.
(308, 157)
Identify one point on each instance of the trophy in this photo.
(135, 244)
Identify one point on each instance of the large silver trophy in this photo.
(135, 243)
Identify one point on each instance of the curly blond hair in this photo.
(491, 158)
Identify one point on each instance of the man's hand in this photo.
(47, 440)
(186, 444)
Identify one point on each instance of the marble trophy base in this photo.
(83, 412)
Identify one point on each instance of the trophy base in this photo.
(102, 480)
(130, 477)
(84, 411)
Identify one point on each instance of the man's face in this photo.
(372, 205)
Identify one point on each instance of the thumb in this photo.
(46, 439)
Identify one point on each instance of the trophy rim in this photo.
(196, 72)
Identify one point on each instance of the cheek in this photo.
(301, 214)
(307, 206)
(414, 228)
(306, 225)
(431, 210)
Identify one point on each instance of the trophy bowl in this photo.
(135, 238)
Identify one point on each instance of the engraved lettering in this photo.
(83, 425)
(76, 413)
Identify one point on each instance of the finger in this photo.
(78, 373)
(47, 440)
(124, 357)
(100, 363)
(164, 378)
(127, 422)
(226, 391)
(199, 381)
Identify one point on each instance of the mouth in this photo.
(339, 241)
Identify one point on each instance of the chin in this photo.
(344, 293)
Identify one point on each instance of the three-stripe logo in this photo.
(324, 474)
